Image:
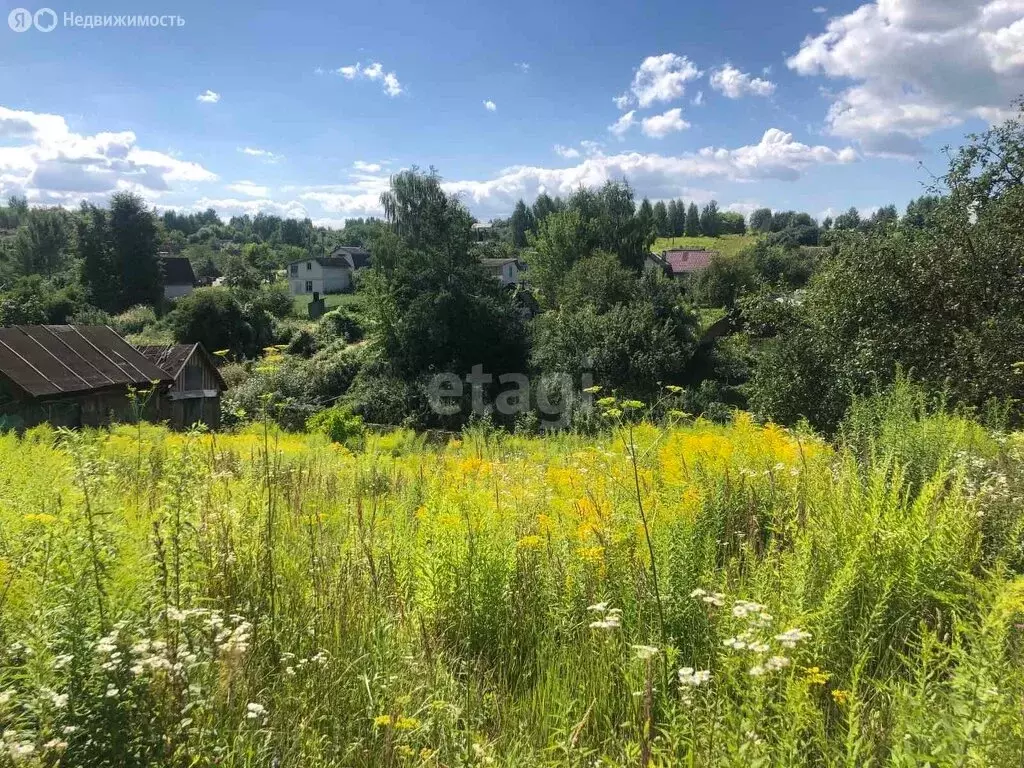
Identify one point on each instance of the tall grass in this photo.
(263, 598)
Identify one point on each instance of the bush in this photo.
(133, 320)
(214, 318)
(340, 425)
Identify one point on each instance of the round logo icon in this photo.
(20, 19)
(45, 19)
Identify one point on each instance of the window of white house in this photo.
(309, 286)
(295, 269)
(309, 266)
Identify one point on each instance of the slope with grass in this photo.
(727, 245)
(683, 594)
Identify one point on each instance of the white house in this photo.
(327, 274)
(506, 271)
(177, 276)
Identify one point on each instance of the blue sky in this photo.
(306, 109)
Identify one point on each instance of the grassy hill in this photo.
(728, 245)
(272, 598)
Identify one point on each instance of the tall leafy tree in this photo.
(432, 308)
(133, 242)
(761, 220)
(677, 218)
(692, 221)
(661, 225)
(848, 220)
(522, 222)
(543, 207)
(709, 220)
(645, 213)
(41, 244)
(98, 267)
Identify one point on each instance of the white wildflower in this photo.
(775, 663)
(757, 671)
(60, 700)
(6, 696)
(698, 592)
(111, 692)
(254, 710)
(645, 652)
(694, 678)
(57, 745)
(791, 637)
(717, 599)
(741, 609)
(598, 607)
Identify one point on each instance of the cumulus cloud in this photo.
(736, 84)
(365, 167)
(819, 9)
(228, 207)
(776, 156)
(621, 126)
(373, 71)
(659, 78)
(659, 126)
(523, 66)
(249, 188)
(490, 106)
(264, 154)
(566, 152)
(698, 100)
(208, 97)
(41, 158)
(917, 66)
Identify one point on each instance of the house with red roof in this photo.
(679, 262)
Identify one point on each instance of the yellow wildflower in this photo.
(840, 697)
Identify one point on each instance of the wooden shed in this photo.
(194, 395)
(74, 376)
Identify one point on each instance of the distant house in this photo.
(177, 275)
(74, 376)
(680, 262)
(194, 395)
(506, 271)
(483, 231)
(327, 274)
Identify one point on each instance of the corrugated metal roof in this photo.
(53, 360)
(682, 261)
(173, 357)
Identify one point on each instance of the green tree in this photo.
(599, 281)
(761, 220)
(709, 220)
(645, 213)
(561, 240)
(41, 243)
(543, 207)
(677, 218)
(522, 222)
(133, 241)
(693, 221)
(922, 211)
(98, 267)
(430, 306)
(848, 220)
(661, 225)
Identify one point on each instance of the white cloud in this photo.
(208, 97)
(621, 101)
(250, 188)
(228, 207)
(523, 66)
(660, 78)
(698, 100)
(736, 84)
(819, 9)
(659, 126)
(490, 106)
(566, 152)
(373, 71)
(41, 158)
(777, 156)
(265, 154)
(365, 167)
(917, 66)
(621, 126)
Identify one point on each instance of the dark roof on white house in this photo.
(54, 360)
(350, 256)
(177, 270)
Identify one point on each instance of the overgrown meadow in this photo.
(682, 594)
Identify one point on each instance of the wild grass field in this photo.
(727, 245)
(676, 594)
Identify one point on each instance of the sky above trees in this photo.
(306, 111)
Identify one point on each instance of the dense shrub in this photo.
(340, 425)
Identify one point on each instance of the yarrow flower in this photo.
(645, 652)
(254, 711)
(741, 609)
(694, 678)
(792, 637)
(612, 617)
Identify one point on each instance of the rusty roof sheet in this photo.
(53, 360)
